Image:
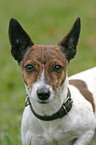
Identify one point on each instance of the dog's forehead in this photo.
(44, 53)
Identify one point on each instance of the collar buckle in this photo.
(65, 109)
(65, 102)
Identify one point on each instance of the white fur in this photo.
(80, 122)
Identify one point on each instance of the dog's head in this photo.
(43, 67)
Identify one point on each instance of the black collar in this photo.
(65, 108)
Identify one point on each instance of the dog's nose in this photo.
(43, 94)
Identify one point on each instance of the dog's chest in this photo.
(56, 133)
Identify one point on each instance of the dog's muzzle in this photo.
(43, 94)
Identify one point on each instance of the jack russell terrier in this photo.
(59, 110)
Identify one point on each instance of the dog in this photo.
(59, 110)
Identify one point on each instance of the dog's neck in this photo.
(55, 105)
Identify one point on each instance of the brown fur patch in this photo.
(44, 57)
(81, 85)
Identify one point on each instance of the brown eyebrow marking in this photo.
(81, 85)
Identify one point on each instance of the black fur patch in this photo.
(19, 40)
(69, 42)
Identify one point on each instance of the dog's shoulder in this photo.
(85, 82)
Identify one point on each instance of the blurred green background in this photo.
(46, 21)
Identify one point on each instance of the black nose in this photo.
(43, 94)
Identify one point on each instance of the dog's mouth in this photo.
(43, 102)
(49, 100)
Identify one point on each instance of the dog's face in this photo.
(43, 67)
(44, 71)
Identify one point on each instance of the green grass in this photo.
(46, 21)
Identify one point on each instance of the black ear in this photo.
(19, 40)
(69, 42)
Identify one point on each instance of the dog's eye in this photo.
(58, 68)
(29, 68)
